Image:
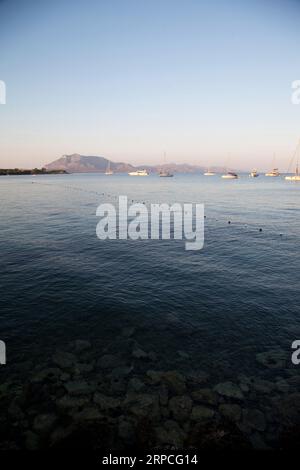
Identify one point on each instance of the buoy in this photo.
(260, 229)
(229, 222)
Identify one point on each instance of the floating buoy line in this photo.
(236, 223)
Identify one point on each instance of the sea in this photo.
(227, 311)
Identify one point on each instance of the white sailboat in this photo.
(209, 173)
(273, 173)
(165, 173)
(108, 169)
(296, 175)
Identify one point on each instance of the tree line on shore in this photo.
(34, 171)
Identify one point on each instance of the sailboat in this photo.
(296, 176)
(273, 173)
(229, 175)
(254, 174)
(108, 169)
(165, 173)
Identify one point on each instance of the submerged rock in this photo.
(135, 385)
(274, 359)
(78, 387)
(128, 331)
(106, 403)
(262, 386)
(289, 409)
(64, 360)
(229, 390)
(139, 354)
(180, 408)
(82, 345)
(232, 412)
(205, 395)
(282, 386)
(44, 423)
(49, 373)
(254, 419)
(90, 413)
(202, 413)
(31, 440)
(126, 431)
(174, 381)
(143, 405)
(170, 434)
(67, 402)
(108, 361)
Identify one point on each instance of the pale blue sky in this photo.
(131, 79)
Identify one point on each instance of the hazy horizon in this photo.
(130, 81)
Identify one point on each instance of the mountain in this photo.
(76, 163)
(87, 164)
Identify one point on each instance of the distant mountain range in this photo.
(76, 163)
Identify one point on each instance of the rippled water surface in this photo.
(220, 306)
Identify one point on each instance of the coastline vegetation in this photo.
(34, 171)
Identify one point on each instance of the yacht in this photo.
(139, 173)
(230, 175)
(273, 173)
(254, 174)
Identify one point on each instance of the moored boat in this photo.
(230, 175)
(138, 173)
(273, 173)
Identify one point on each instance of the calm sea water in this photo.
(220, 306)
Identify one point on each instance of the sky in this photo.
(207, 82)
